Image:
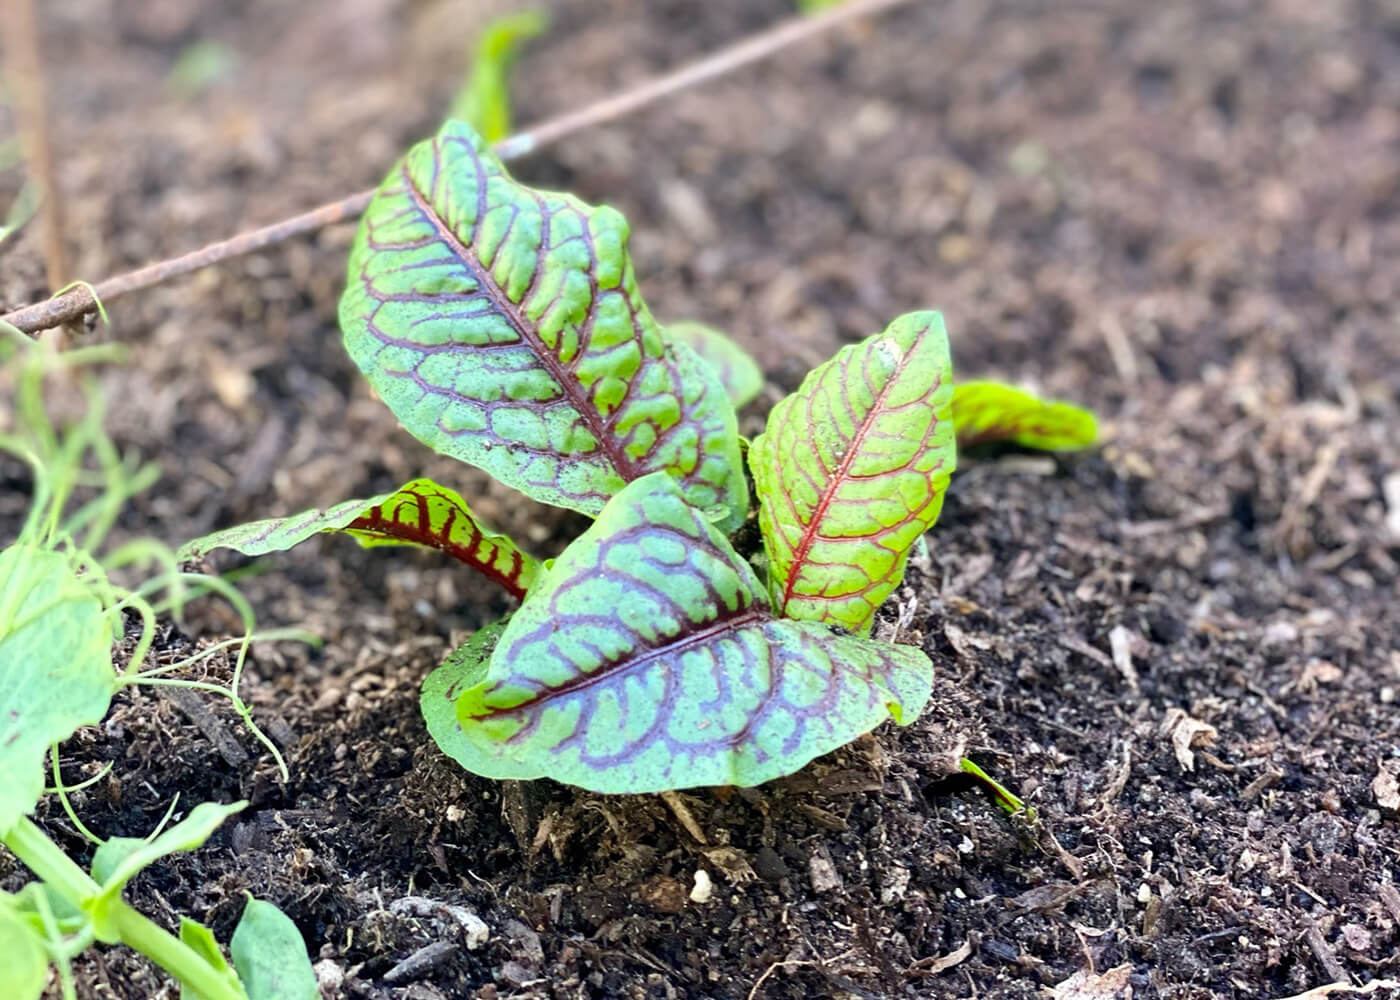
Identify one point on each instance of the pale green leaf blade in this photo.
(118, 860)
(647, 659)
(738, 372)
(484, 99)
(851, 471)
(990, 412)
(420, 512)
(270, 955)
(503, 327)
(24, 961)
(55, 668)
(278, 534)
(201, 941)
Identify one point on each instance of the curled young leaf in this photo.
(419, 512)
(738, 372)
(503, 327)
(851, 470)
(990, 412)
(484, 99)
(648, 659)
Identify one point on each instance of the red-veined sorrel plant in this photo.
(503, 326)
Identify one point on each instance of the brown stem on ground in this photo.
(26, 76)
(78, 302)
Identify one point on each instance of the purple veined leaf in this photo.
(647, 659)
(990, 412)
(851, 470)
(503, 327)
(738, 372)
(418, 513)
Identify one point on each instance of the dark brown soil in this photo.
(1186, 215)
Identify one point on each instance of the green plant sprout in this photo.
(60, 615)
(483, 100)
(503, 326)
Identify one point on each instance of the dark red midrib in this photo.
(569, 385)
(376, 522)
(753, 613)
(809, 533)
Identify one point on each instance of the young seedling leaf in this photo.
(738, 372)
(270, 955)
(55, 668)
(418, 513)
(647, 659)
(484, 100)
(503, 327)
(1009, 801)
(118, 860)
(990, 412)
(201, 941)
(851, 470)
(24, 961)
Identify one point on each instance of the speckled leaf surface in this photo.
(850, 472)
(420, 512)
(647, 658)
(738, 372)
(503, 326)
(990, 412)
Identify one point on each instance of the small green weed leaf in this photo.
(503, 327)
(201, 941)
(990, 412)
(815, 6)
(1009, 801)
(484, 100)
(118, 860)
(270, 955)
(24, 960)
(851, 470)
(647, 659)
(55, 668)
(738, 372)
(420, 512)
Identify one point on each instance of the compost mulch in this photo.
(1182, 647)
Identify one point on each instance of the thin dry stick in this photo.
(74, 304)
(27, 78)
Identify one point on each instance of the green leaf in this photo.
(647, 659)
(55, 668)
(201, 941)
(989, 412)
(850, 472)
(270, 955)
(465, 667)
(738, 372)
(24, 960)
(419, 512)
(484, 100)
(503, 327)
(21, 210)
(118, 860)
(815, 6)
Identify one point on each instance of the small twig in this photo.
(78, 302)
(31, 104)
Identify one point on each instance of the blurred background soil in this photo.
(1183, 647)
